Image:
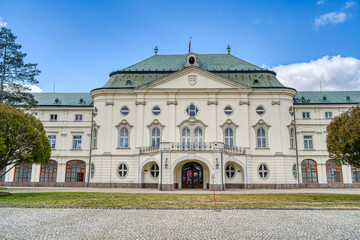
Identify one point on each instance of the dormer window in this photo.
(191, 60)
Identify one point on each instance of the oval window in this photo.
(260, 110)
(156, 110)
(124, 110)
(228, 110)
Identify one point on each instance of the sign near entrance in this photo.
(213, 180)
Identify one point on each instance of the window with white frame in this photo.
(308, 142)
(229, 133)
(124, 138)
(155, 137)
(52, 141)
(229, 137)
(185, 138)
(198, 137)
(263, 171)
(53, 117)
(306, 115)
(261, 138)
(328, 115)
(78, 117)
(124, 129)
(76, 142)
(261, 134)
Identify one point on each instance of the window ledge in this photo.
(123, 148)
(76, 149)
(309, 149)
(292, 148)
(262, 148)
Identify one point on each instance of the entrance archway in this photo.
(192, 175)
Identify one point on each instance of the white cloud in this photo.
(333, 18)
(320, 2)
(2, 23)
(334, 72)
(34, 88)
(349, 5)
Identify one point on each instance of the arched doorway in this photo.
(192, 175)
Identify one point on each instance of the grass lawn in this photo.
(151, 200)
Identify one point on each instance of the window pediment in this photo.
(229, 123)
(124, 123)
(261, 123)
(192, 122)
(156, 123)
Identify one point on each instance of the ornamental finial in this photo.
(228, 49)
(156, 50)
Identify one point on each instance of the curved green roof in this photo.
(224, 65)
(327, 97)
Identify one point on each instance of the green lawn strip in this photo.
(194, 201)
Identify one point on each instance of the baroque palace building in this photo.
(189, 121)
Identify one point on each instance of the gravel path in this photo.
(183, 191)
(58, 223)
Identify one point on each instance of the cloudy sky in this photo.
(78, 43)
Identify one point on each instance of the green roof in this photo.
(209, 62)
(224, 65)
(64, 99)
(327, 97)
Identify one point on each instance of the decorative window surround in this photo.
(128, 126)
(262, 124)
(192, 123)
(155, 124)
(233, 126)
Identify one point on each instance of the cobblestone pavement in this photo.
(182, 191)
(59, 223)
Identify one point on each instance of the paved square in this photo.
(58, 223)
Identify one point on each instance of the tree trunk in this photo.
(3, 76)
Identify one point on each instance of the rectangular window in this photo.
(308, 142)
(77, 142)
(53, 117)
(306, 115)
(78, 117)
(328, 115)
(52, 141)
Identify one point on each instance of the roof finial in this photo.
(228, 49)
(156, 50)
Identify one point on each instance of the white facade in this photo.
(180, 129)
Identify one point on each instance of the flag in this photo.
(190, 45)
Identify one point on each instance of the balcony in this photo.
(194, 147)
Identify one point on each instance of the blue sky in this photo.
(78, 43)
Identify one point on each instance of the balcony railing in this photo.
(205, 146)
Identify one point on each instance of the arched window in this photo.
(75, 171)
(2, 174)
(185, 138)
(261, 138)
(198, 137)
(124, 137)
(229, 137)
(48, 171)
(333, 171)
(23, 172)
(355, 172)
(309, 171)
(155, 137)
